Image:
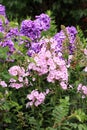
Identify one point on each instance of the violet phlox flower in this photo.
(42, 22)
(12, 33)
(2, 10)
(35, 47)
(60, 37)
(3, 13)
(36, 98)
(29, 29)
(71, 31)
(1, 26)
(8, 43)
(32, 29)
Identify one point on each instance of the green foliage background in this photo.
(66, 12)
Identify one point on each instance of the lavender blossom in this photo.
(60, 37)
(29, 29)
(2, 10)
(1, 26)
(42, 22)
(10, 44)
(13, 32)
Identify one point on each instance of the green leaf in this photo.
(2, 18)
(13, 24)
(1, 35)
(50, 128)
(25, 38)
(80, 115)
(61, 111)
(3, 52)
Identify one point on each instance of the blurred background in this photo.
(66, 12)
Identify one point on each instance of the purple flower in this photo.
(42, 22)
(72, 33)
(10, 44)
(2, 10)
(13, 32)
(29, 29)
(60, 37)
(1, 26)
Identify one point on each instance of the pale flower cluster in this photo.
(3, 83)
(36, 98)
(51, 63)
(21, 74)
(82, 89)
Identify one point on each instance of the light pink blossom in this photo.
(85, 51)
(85, 69)
(3, 84)
(63, 85)
(16, 85)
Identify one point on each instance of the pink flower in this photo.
(37, 103)
(16, 85)
(26, 81)
(79, 87)
(50, 63)
(40, 97)
(20, 79)
(13, 70)
(3, 84)
(47, 91)
(17, 70)
(85, 51)
(36, 98)
(63, 85)
(85, 69)
(84, 89)
(12, 80)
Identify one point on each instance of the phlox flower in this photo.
(82, 89)
(14, 70)
(85, 69)
(17, 70)
(36, 98)
(63, 85)
(3, 84)
(85, 51)
(16, 85)
(48, 62)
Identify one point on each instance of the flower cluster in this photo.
(2, 10)
(29, 29)
(3, 83)
(36, 98)
(70, 33)
(42, 22)
(19, 72)
(47, 61)
(43, 57)
(32, 29)
(82, 89)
